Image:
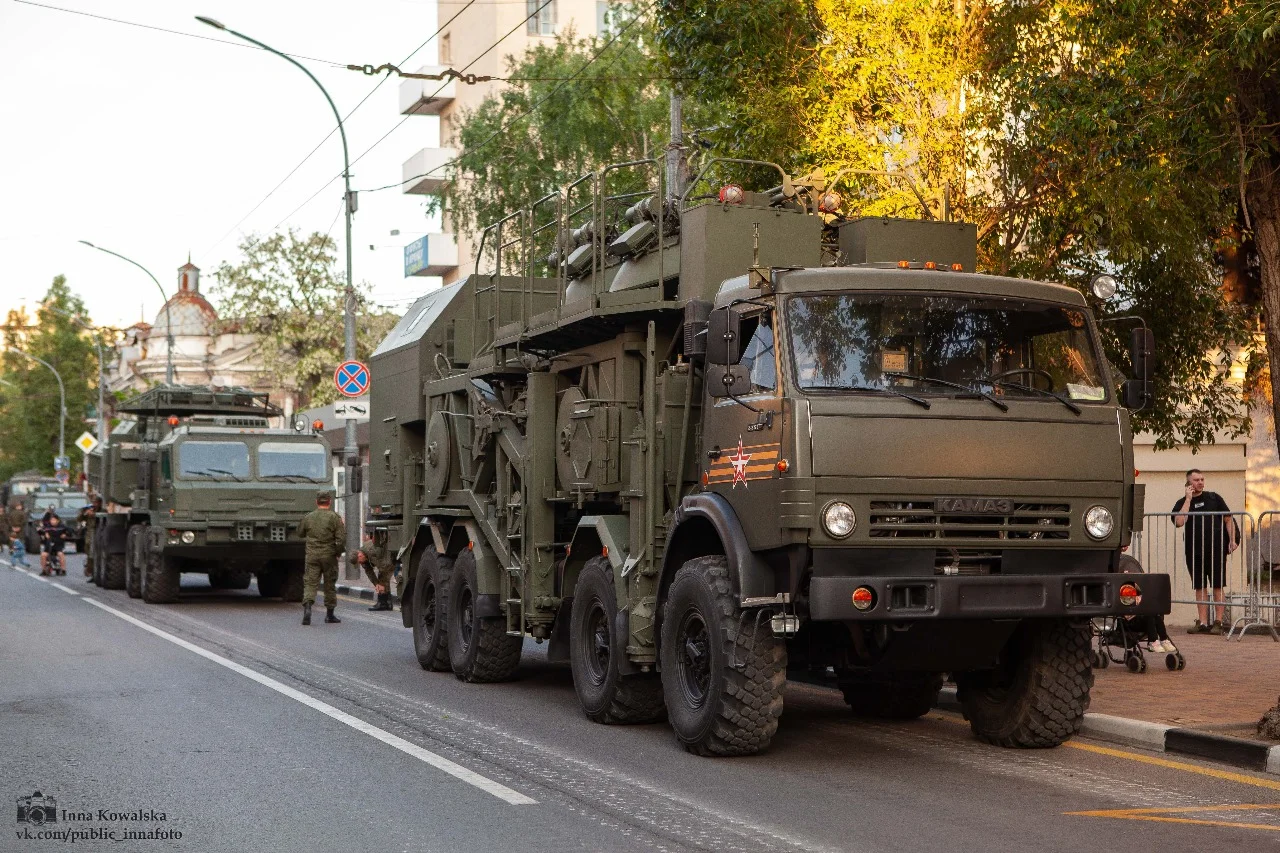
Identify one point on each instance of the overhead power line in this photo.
(503, 128)
(331, 132)
(398, 124)
(168, 31)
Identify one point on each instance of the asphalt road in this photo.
(247, 731)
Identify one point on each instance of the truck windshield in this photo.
(930, 344)
(216, 459)
(288, 459)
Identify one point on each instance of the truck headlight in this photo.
(188, 537)
(1098, 522)
(838, 519)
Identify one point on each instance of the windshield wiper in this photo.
(983, 394)
(292, 478)
(894, 391)
(228, 473)
(1004, 383)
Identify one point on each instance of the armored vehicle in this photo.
(19, 486)
(698, 443)
(66, 502)
(195, 480)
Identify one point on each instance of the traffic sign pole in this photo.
(352, 380)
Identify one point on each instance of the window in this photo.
(759, 358)
(542, 17)
(292, 460)
(166, 469)
(605, 18)
(445, 50)
(218, 460)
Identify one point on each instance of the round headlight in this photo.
(1098, 522)
(838, 519)
(1104, 286)
(188, 537)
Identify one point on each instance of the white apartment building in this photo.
(463, 44)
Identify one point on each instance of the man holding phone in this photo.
(1210, 536)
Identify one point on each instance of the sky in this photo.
(154, 144)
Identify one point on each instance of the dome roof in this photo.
(191, 314)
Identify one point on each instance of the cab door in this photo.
(741, 447)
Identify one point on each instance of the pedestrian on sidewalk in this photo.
(378, 565)
(1151, 626)
(1210, 535)
(326, 537)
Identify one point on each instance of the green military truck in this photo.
(195, 480)
(697, 444)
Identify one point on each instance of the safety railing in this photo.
(1218, 561)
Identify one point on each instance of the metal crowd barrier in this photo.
(1250, 590)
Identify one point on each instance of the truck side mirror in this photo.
(724, 336)
(730, 380)
(1138, 391)
(696, 312)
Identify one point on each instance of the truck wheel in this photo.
(430, 631)
(95, 563)
(134, 556)
(160, 579)
(722, 675)
(606, 695)
(113, 573)
(291, 582)
(270, 580)
(896, 696)
(1038, 696)
(479, 649)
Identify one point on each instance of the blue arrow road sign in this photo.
(351, 379)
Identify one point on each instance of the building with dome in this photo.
(206, 351)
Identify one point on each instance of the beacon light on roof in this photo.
(731, 194)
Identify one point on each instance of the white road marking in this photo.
(64, 588)
(439, 762)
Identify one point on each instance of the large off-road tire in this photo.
(96, 567)
(430, 622)
(606, 695)
(113, 572)
(1038, 694)
(291, 585)
(722, 674)
(230, 579)
(891, 696)
(161, 579)
(479, 649)
(270, 580)
(135, 551)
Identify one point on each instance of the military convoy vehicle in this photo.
(66, 502)
(695, 444)
(195, 480)
(19, 486)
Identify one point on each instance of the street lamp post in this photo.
(350, 452)
(168, 321)
(102, 417)
(62, 392)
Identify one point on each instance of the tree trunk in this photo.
(1264, 210)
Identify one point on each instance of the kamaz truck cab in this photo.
(215, 490)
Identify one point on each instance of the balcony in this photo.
(426, 97)
(433, 254)
(424, 172)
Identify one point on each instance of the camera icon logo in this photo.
(37, 809)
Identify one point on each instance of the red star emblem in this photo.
(739, 462)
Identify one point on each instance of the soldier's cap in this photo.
(324, 497)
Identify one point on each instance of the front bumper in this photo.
(987, 597)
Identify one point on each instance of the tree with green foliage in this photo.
(287, 291)
(30, 412)
(563, 116)
(1079, 137)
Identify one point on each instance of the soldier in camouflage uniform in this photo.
(89, 515)
(379, 566)
(326, 537)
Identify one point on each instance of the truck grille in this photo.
(279, 533)
(917, 519)
(244, 531)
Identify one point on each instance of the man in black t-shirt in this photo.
(1210, 535)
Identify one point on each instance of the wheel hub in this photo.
(694, 661)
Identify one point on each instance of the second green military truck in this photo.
(697, 443)
(196, 480)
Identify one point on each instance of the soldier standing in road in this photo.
(378, 565)
(89, 515)
(326, 537)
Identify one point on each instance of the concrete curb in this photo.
(1237, 752)
(363, 592)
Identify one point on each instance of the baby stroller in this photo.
(1120, 639)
